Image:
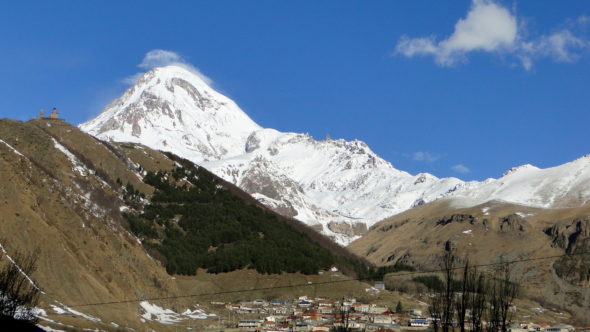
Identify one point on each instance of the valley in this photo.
(77, 196)
(305, 166)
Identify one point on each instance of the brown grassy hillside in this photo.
(60, 192)
(485, 234)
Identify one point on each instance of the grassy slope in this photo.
(86, 253)
(418, 238)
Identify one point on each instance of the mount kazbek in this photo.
(338, 187)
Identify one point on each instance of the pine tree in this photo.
(399, 308)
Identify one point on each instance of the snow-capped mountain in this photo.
(566, 185)
(175, 110)
(340, 187)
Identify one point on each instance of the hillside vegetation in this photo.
(63, 191)
(194, 222)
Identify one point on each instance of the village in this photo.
(307, 313)
(317, 314)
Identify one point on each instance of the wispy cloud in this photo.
(460, 168)
(130, 80)
(425, 156)
(160, 58)
(489, 27)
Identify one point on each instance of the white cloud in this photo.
(425, 156)
(160, 58)
(557, 46)
(460, 168)
(490, 27)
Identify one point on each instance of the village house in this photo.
(383, 320)
(361, 307)
(277, 302)
(375, 309)
(249, 323)
(419, 322)
(415, 312)
(320, 329)
(560, 328)
(259, 303)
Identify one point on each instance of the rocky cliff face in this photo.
(574, 238)
(569, 235)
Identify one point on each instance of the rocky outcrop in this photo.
(513, 223)
(460, 218)
(348, 229)
(574, 238)
(569, 235)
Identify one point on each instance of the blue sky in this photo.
(455, 88)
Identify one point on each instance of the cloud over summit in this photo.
(160, 58)
(489, 27)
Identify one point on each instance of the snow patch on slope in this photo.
(153, 312)
(62, 309)
(19, 269)
(78, 165)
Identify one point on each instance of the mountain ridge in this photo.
(339, 187)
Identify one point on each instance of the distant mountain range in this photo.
(336, 186)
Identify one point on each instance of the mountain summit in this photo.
(173, 109)
(339, 187)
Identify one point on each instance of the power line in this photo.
(316, 283)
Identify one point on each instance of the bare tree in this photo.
(493, 306)
(18, 293)
(503, 291)
(435, 309)
(507, 290)
(344, 322)
(478, 299)
(448, 292)
(463, 298)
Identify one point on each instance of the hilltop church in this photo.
(54, 115)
